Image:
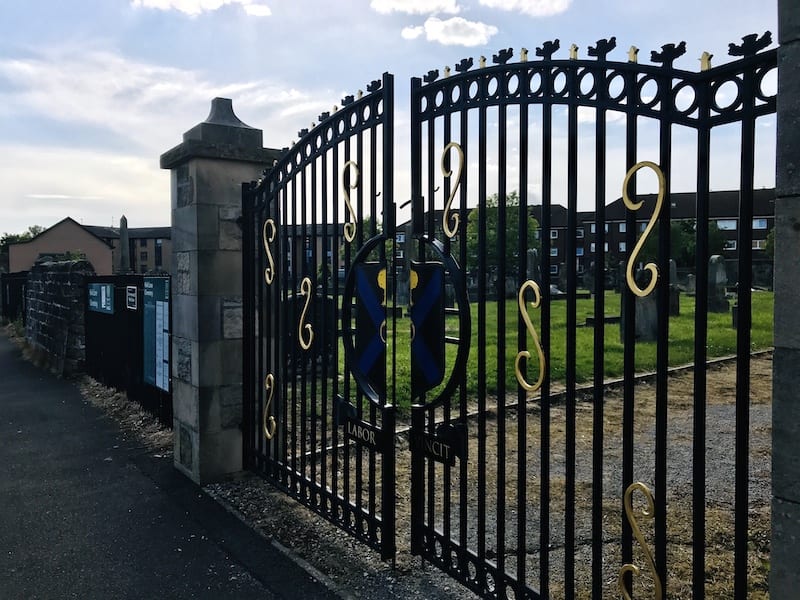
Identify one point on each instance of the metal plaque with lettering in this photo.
(101, 297)
(156, 332)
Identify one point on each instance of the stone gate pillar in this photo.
(785, 546)
(208, 168)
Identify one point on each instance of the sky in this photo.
(92, 92)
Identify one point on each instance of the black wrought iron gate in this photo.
(529, 476)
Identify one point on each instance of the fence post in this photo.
(208, 167)
(785, 547)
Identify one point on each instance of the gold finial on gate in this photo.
(447, 71)
(633, 54)
(360, 94)
(482, 62)
(524, 354)
(523, 55)
(648, 513)
(573, 52)
(705, 61)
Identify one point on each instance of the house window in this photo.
(143, 256)
(553, 251)
(143, 243)
(623, 247)
(579, 234)
(726, 224)
(399, 254)
(759, 244)
(401, 238)
(759, 223)
(592, 247)
(159, 255)
(537, 234)
(579, 251)
(643, 226)
(553, 269)
(580, 268)
(592, 228)
(622, 228)
(729, 245)
(553, 234)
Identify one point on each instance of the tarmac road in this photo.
(87, 513)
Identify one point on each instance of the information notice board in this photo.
(156, 332)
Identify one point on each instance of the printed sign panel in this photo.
(130, 297)
(156, 332)
(101, 297)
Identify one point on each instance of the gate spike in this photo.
(360, 94)
(573, 52)
(465, 65)
(633, 55)
(751, 44)
(482, 63)
(447, 71)
(668, 54)
(705, 61)
(502, 56)
(523, 55)
(548, 48)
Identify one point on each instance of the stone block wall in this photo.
(54, 323)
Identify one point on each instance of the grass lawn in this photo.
(499, 358)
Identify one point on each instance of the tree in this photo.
(769, 246)
(506, 248)
(683, 243)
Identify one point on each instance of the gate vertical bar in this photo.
(700, 350)
(744, 300)
(502, 240)
(522, 413)
(547, 187)
(662, 302)
(599, 340)
(571, 344)
(628, 332)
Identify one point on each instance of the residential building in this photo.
(149, 247)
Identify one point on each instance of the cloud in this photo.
(534, 8)
(415, 7)
(412, 33)
(194, 8)
(143, 104)
(454, 31)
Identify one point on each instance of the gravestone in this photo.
(674, 290)
(691, 286)
(717, 281)
(534, 267)
(646, 312)
(622, 282)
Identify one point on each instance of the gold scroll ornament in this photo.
(269, 424)
(524, 354)
(450, 230)
(647, 513)
(350, 225)
(305, 290)
(269, 272)
(651, 267)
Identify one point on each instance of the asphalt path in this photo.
(86, 512)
